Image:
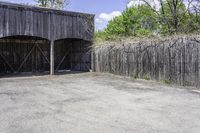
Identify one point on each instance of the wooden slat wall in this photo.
(44, 23)
(175, 60)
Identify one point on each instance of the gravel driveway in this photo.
(95, 103)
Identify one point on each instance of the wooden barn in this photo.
(34, 39)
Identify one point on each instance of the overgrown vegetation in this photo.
(172, 17)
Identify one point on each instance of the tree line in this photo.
(168, 17)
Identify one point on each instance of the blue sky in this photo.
(103, 9)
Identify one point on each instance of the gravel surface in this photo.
(96, 103)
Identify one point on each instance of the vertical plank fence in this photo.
(173, 60)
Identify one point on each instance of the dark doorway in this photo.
(24, 54)
(72, 54)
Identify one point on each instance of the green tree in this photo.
(116, 26)
(172, 17)
(135, 21)
(175, 16)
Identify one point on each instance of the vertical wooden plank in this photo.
(1, 21)
(52, 58)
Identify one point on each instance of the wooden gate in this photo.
(72, 54)
(24, 55)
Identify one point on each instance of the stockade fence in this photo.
(172, 60)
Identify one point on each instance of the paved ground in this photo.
(95, 103)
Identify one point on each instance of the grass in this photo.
(135, 75)
(166, 81)
(146, 77)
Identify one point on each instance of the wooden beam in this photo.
(41, 51)
(66, 54)
(52, 58)
(22, 41)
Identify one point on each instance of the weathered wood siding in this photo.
(45, 23)
(176, 60)
(26, 34)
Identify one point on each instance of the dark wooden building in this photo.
(34, 39)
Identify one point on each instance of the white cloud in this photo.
(109, 16)
(153, 3)
(98, 20)
(134, 3)
(103, 18)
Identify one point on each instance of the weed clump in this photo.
(166, 81)
(146, 77)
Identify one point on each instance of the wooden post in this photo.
(92, 61)
(52, 58)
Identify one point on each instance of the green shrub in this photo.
(146, 77)
(167, 81)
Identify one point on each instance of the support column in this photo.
(92, 53)
(52, 58)
(92, 65)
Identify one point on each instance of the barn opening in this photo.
(72, 54)
(24, 54)
(19, 54)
